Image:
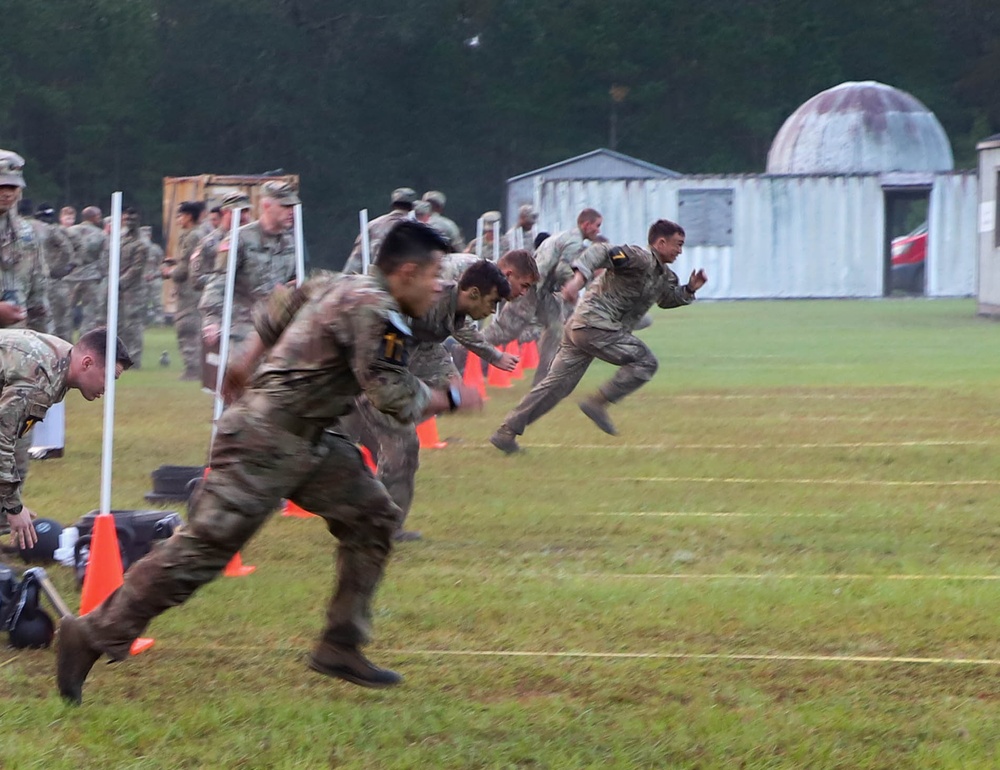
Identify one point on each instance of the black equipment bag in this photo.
(136, 530)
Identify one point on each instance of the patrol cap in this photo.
(490, 217)
(11, 169)
(422, 208)
(436, 197)
(283, 192)
(237, 199)
(404, 195)
(527, 211)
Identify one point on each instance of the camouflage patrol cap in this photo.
(436, 197)
(490, 217)
(237, 199)
(283, 192)
(422, 208)
(527, 211)
(11, 169)
(404, 195)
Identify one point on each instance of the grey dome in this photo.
(860, 128)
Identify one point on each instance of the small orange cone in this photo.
(473, 375)
(498, 378)
(369, 460)
(515, 350)
(236, 567)
(104, 571)
(427, 432)
(529, 355)
(293, 511)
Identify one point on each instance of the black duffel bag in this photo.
(136, 531)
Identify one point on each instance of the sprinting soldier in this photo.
(324, 343)
(543, 307)
(522, 234)
(57, 250)
(36, 371)
(601, 327)
(401, 204)
(396, 445)
(87, 278)
(487, 250)
(132, 291)
(441, 223)
(187, 321)
(265, 259)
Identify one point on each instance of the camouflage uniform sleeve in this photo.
(471, 338)
(134, 268)
(185, 247)
(60, 253)
(513, 319)
(272, 315)
(202, 262)
(378, 361)
(37, 301)
(212, 298)
(13, 413)
(673, 294)
(591, 260)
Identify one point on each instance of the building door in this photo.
(906, 241)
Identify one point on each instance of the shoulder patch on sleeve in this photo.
(618, 256)
(392, 348)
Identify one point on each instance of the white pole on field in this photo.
(300, 247)
(496, 241)
(518, 238)
(227, 319)
(111, 351)
(366, 246)
(479, 238)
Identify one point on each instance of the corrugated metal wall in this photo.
(792, 236)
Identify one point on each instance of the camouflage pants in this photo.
(60, 297)
(92, 298)
(523, 317)
(131, 327)
(396, 448)
(578, 349)
(188, 328)
(255, 463)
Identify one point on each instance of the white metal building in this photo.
(989, 225)
(816, 223)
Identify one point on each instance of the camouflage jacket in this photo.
(330, 340)
(133, 260)
(33, 371)
(449, 230)
(263, 261)
(187, 292)
(57, 249)
(202, 263)
(519, 238)
(378, 228)
(555, 257)
(443, 321)
(634, 279)
(89, 250)
(23, 273)
(488, 251)
(453, 265)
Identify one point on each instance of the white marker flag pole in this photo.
(496, 241)
(227, 318)
(366, 246)
(300, 247)
(479, 238)
(111, 351)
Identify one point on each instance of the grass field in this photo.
(787, 559)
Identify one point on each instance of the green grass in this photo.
(811, 585)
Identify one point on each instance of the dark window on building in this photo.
(706, 216)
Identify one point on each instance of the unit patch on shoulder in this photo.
(618, 256)
(392, 349)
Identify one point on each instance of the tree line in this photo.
(458, 95)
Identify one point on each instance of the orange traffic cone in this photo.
(515, 350)
(104, 571)
(529, 355)
(369, 461)
(293, 511)
(498, 378)
(236, 567)
(473, 375)
(427, 432)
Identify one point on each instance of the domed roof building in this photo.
(860, 128)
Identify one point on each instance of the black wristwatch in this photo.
(689, 290)
(14, 511)
(454, 397)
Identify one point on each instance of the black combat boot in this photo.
(346, 662)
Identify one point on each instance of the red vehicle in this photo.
(909, 254)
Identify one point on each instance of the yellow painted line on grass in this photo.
(778, 576)
(724, 656)
(8, 662)
(810, 445)
(719, 514)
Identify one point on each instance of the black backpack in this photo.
(21, 614)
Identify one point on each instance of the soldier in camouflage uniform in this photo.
(265, 259)
(187, 321)
(542, 305)
(522, 234)
(402, 200)
(458, 305)
(87, 279)
(441, 223)
(133, 299)
(36, 371)
(601, 327)
(153, 279)
(324, 343)
(217, 242)
(57, 250)
(489, 250)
